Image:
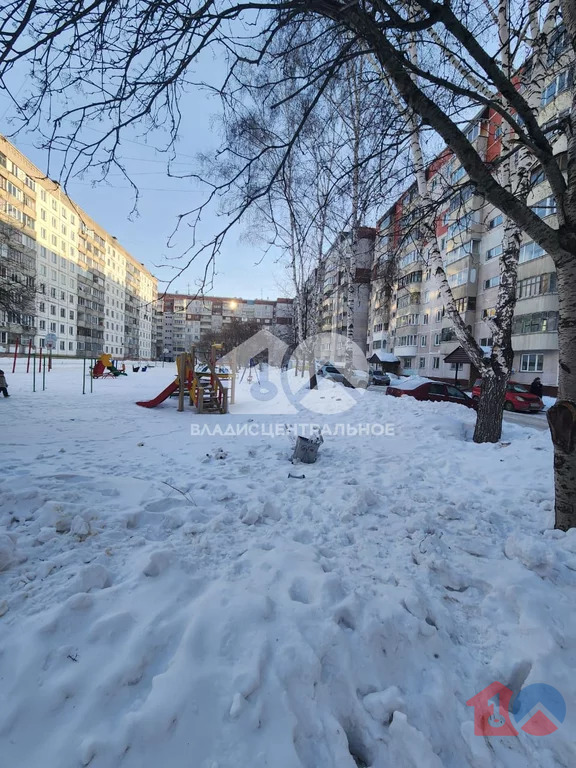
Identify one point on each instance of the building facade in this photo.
(89, 292)
(345, 293)
(182, 320)
(405, 318)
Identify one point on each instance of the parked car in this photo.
(518, 397)
(379, 378)
(435, 391)
(353, 378)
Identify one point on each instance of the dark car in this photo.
(518, 397)
(379, 378)
(436, 391)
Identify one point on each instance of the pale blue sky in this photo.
(241, 272)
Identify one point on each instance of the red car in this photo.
(518, 397)
(436, 391)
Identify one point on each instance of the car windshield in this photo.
(512, 387)
(331, 369)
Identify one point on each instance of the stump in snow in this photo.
(306, 449)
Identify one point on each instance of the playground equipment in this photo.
(105, 369)
(204, 387)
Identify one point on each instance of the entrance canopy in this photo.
(383, 357)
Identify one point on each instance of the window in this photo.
(473, 132)
(486, 341)
(52, 309)
(492, 282)
(537, 322)
(438, 315)
(435, 363)
(412, 277)
(494, 253)
(465, 304)
(537, 176)
(421, 362)
(558, 43)
(452, 391)
(457, 174)
(532, 363)
(488, 312)
(458, 278)
(407, 362)
(461, 225)
(62, 313)
(53, 327)
(426, 318)
(409, 258)
(535, 286)
(42, 325)
(530, 251)
(472, 247)
(70, 346)
(423, 341)
(377, 344)
(496, 221)
(560, 83)
(42, 306)
(62, 328)
(437, 340)
(544, 207)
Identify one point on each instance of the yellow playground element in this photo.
(204, 387)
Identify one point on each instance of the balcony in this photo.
(406, 350)
(540, 342)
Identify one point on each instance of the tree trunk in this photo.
(491, 408)
(562, 416)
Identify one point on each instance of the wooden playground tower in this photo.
(205, 389)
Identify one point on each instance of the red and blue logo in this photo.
(538, 709)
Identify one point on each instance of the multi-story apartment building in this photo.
(345, 275)
(181, 320)
(90, 293)
(407, 316)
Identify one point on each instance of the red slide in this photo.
(161, 397)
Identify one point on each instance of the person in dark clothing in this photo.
(3, 385)
(536, 387)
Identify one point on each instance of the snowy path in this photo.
(252, 619)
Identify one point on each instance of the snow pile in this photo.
(178, 600)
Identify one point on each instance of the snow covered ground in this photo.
(176, 600)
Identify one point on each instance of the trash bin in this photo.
(306, 449)
(135, 368)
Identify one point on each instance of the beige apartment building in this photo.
(182, 320)
(90, 295)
